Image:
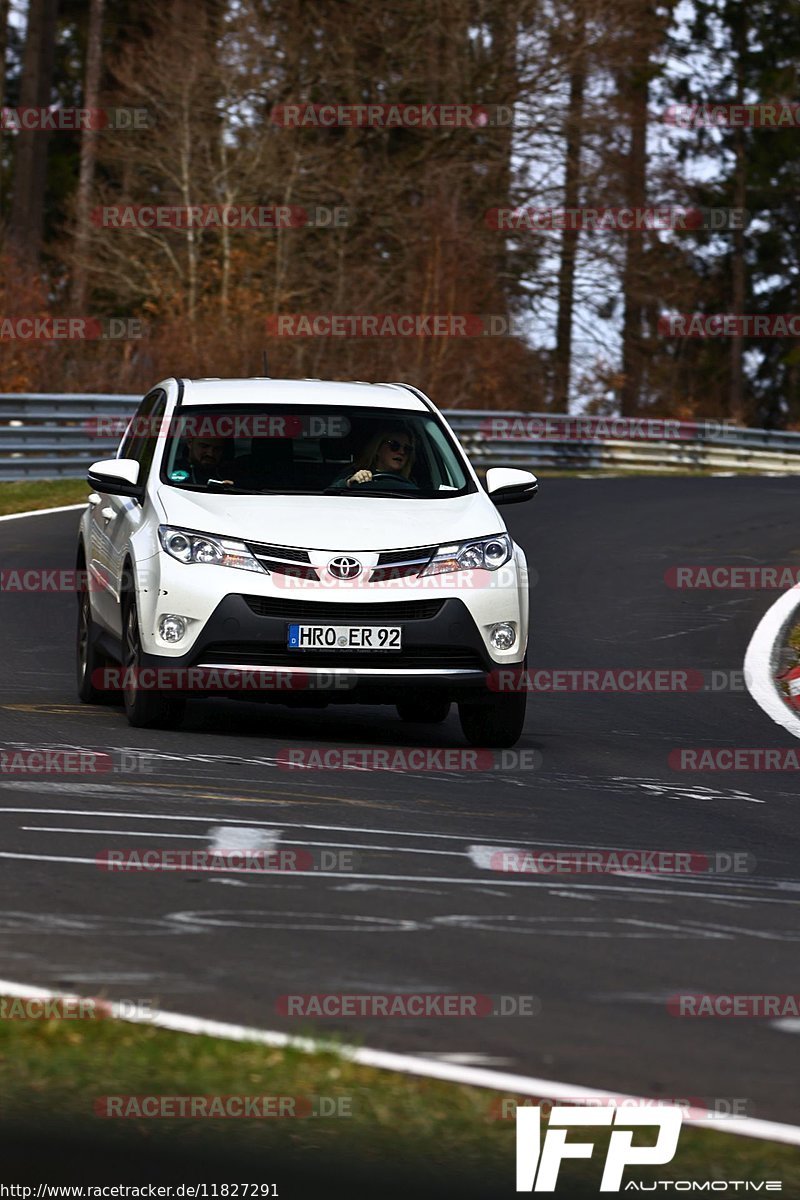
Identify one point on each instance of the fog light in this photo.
(171, 628)
(503, 636)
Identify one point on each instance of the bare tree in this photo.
(26, 225)
(94, 51)
(569, 240)
(3, 47)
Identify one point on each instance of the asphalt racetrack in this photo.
(603, 953)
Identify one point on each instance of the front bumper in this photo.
(442, 649)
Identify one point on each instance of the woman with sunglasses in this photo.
(390, 452)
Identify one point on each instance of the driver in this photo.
(390, 452)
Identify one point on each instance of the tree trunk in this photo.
(3, 48)
(94, 54)
(738, 268)
(632, 347)
(26, 224)
(569, 239)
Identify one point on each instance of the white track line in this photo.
(117, 814)
(43, 512)
(140, 816)
(200, 837)
(761, 659)
(787, 1024)
(408, 1064)
(460, 880)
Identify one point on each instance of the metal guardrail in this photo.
(698, 446)
(44, 436)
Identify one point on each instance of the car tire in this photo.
(144, 708)
(88, 658)
(425, 710)
(496, 722)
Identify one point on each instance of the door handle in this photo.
(107, 514)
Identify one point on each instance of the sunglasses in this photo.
(406, 447)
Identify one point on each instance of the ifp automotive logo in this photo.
(538, 1164)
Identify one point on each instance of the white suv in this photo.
(302, 542)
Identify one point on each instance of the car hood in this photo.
(334, 522)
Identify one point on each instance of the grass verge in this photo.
(28, 494)
(391, 1133)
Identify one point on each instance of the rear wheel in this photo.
(427, 710)
(144, 707)
(495, 722)
(91, 664)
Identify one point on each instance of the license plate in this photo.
(344, 637)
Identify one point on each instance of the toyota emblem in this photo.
(344, 567)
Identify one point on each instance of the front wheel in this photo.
(144, 708)
(496, 722)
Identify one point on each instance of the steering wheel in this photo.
(395, 477)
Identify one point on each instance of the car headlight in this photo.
(488, 554)
(190, 547)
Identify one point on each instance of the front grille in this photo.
(258, 654)
(328, 611)
(294, 569)
(401, 564)
(420, 554)
(401, 571)
(283, 560)
(290, 553)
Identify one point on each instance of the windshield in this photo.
(310, 450)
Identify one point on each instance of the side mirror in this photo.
(116, 477)
(507, 485)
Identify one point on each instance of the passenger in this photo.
(206, 460)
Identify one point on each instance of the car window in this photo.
(306, 449)
(140, 425)
(142, 436)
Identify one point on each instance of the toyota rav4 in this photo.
(301, 542)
